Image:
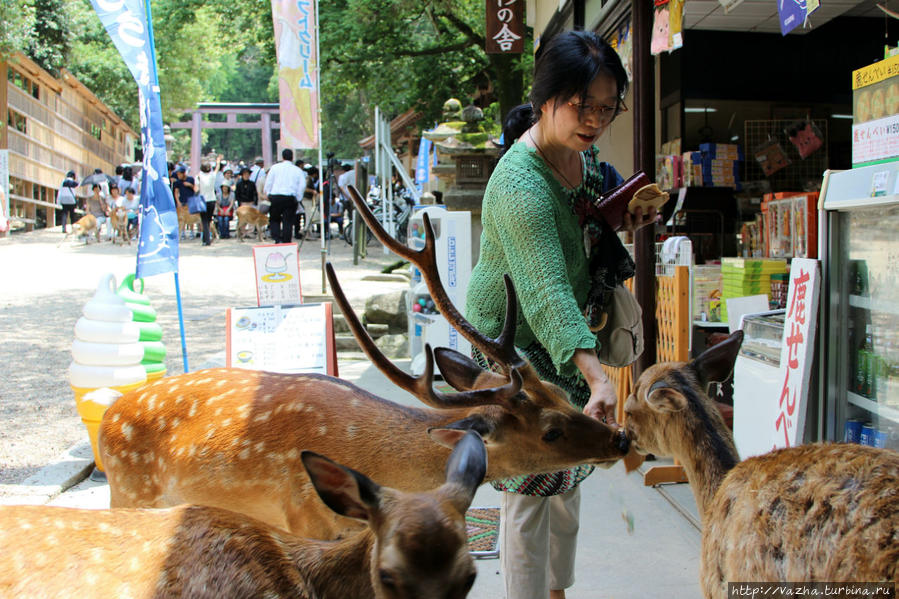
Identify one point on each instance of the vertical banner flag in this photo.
(297, 71)
(505, 27)
(422, 170)
(128, 24)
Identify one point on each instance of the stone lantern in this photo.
(464, 138)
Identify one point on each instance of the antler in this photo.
(422, 386)
(502, 349)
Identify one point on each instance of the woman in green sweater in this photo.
(562, 267)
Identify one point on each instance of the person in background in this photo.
(131, 203)
(245, 190)
(65, 197)
(309, 201)
(562, 269)
(119, 171)
(96, 205)
(284, 186)
(183, 186)
(206, 188)
(346, 178)
(224, 209)
(227, 179)
(257, 176)
(128, 180)
(113, 200)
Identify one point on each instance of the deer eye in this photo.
(552, 434)
(387, 579)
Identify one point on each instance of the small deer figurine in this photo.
(416, 545)
(231, 438)
(819, 512)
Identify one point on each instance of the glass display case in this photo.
(861, 306)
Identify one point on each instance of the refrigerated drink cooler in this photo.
(859, 246)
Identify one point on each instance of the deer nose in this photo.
(622, 442)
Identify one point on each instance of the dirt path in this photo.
(45, 281)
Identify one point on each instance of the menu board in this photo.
(288, 339)
(277, 274)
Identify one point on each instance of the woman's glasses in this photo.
(604, 113)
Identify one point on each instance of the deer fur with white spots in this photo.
(231, 438)
(416, 545)
(825, 511)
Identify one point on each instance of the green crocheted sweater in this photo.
(531, 233)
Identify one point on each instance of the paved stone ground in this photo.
(44, 282)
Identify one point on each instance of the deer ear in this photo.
(345, 491)
(450, 434)
(463, 373)
(663, 398)
(466, 468)
(716, 364)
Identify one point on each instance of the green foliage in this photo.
(395, 54)
(50, 43)
(16, 25)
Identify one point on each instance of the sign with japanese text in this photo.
(277, 274)
(875, 141)
(797, 353)
(505, 27)
(282, 339)
(875, 73)
(297, 50)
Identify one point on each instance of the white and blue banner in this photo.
(128, 24)
(422, 166)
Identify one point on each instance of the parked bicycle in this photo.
(403, 203)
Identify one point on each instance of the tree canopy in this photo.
(396, 54)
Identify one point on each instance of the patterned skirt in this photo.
(554, 483)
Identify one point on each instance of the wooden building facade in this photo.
(53, 126)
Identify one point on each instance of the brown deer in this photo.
(819, 512)
(416, 545)
(231, 438)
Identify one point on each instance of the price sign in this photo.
(288, 339)
(277, 274)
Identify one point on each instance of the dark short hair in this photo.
(119, 169)
(113, 186)
(244, 170)
(569, 63)
(70, 174)
(129, 190)
(287, 154)
(95, 186)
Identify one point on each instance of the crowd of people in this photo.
(287, 192)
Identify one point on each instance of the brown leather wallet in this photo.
(612, 205)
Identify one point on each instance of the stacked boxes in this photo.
(742, 276)
(720, 164)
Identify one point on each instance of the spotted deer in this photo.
(818, 512)
(231, 438)
(416, 545)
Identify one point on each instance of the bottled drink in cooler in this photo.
(864, 374)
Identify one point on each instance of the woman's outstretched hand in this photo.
(637, 220)
(602, 403)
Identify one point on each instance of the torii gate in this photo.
(196, 124)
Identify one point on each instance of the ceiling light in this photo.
(841, 116)
(706, 109)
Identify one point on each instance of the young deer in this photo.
(231, 438)
(820, 512)
(416, 545)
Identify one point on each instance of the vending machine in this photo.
(452, 230)
(859, 248)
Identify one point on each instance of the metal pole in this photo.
(644, 159)
(321, 195)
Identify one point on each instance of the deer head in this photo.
(515, 412)
(669, 406)
(422, 542)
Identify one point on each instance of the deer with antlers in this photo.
(819, 512)
(231, 438)
(416, 545)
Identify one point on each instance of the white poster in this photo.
(796, 353)
(875, 140)
(276, 339)
(278, 274)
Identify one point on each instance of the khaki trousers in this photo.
(538, 543)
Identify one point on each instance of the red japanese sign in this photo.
(505, 27)
(797, 353)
